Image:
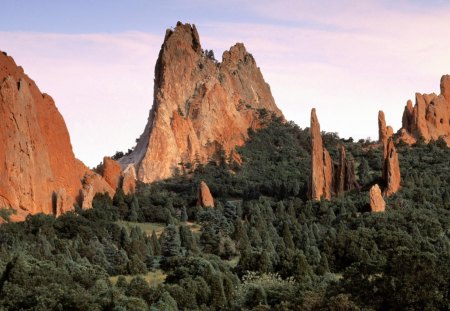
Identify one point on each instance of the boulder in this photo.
(205, 198)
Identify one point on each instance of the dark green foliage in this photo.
(264, 246)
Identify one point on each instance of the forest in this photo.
(264, 246)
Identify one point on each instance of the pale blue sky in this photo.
(348, 58)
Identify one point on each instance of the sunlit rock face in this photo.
(38, 171)
(201, 107)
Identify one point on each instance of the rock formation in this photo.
(111, 172)
(200, 106)
(429, 118)
(321, 164)
(391, 168)
(129, 179)
(39, 172)
(205, 198)
(377, 203)
(344, 177)
(384, 132)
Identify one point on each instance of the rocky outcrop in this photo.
(129, 179)
(111, 172)
(377, 203)
(344, 177)
(93, 183)
(205, 198)
(391, 169)
(321, 181)
(38, 164)
(429, 119)
(200, 106)
(384, 132)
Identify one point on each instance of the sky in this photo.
(348, 59)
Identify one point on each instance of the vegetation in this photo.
(264, 246)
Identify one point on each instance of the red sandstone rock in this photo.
(391, 169)
(200, 106)
(430, 117)
(205, 198)
(384, 132)
(377, 203)
(321, 164)
(111, 172)
(35, 149)
(129, 179)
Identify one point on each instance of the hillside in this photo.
(264, 246)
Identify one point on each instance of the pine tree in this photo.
(171, 244)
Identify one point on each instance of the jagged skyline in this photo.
(97, 60)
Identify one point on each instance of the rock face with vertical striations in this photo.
(39, 172)
(321, 181)
(111, 172)
(384, 132)
(377, 203)
(129, 179)
(200, 106)
(391, 169)
(205, 199)
(344, 177)
(429, 118)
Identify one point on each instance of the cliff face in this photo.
(38, 172)
(430, 116)
(200, 106)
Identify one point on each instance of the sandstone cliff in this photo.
(429, 118)
(200, 106)
(38, 172)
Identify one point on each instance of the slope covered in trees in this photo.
(263, 247)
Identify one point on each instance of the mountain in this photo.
(201, 107)
(38, 172)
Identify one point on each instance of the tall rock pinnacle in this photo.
(200, 106)
(391, 168)
(39, 172)
(321, 164)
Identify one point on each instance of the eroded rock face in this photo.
(391, 169)
(111, 172)
(129, 179)
(321, 164)
(430, 117)
(384, 132)
(205, 198)
(200, 106)
(35, 149)
(93, 183)
(377, 203)
(344, 178)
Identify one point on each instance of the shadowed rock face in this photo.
(344, 177)
(377, 203)
(38, 172)
(200, 106)
(429, 118)
(391, 169)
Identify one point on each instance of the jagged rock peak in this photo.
(40, 172)
(200, 106)
(205, 199)
(429, 119)
(377, 203)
